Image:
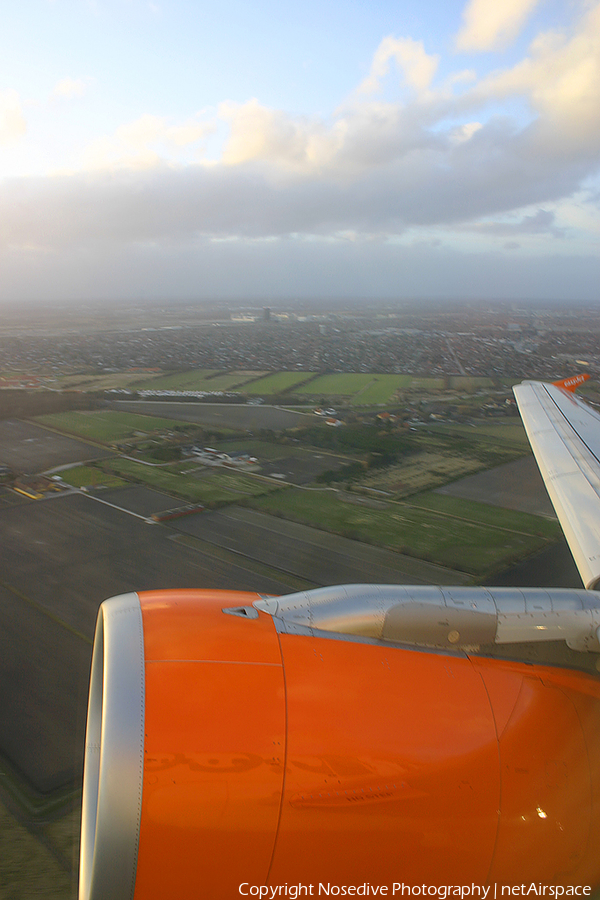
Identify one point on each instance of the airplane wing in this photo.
(564, 434)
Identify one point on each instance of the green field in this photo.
(105, 426)
(372, 389)
(104, 381)
(90, 476)
(426, 384)
(469, 382)
(198, 380)
(380, 389)
(362, 389)
(421, 472)
(467, 541)
(277, 383)
(260, 449)
(179, 381)
(228, 382)
(344, 385)
(486, 514)
(508, 431)
(191, 481)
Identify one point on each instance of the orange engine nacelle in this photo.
(223, 754)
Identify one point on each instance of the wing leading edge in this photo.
(564, 434)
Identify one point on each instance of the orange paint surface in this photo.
(189, 624)
(392, 771)
(214, 748)
(571, 384)
(549, 823)
(286, 758)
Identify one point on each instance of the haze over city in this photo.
(180, 151)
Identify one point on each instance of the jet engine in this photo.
(340, 738)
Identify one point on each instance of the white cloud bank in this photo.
(68, 88)
(417, 67)
(444, 158)
(12, 122)
(138, 144)
(492, 24)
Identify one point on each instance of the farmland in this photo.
(417, 463)
(189, 481)
(426, 384)
(438, 458)
(359, 389)
(29, 448)
(277, 383)
(92, 381)
(200, 380)
(356, 390)
(469, 539)
(485, 514)
(362, 390)
(420, 472)
(507, 432)
(178, 381)
(380, 389)
(222, 415)
(105, 425)
(468, 382)
(403, 503)
(90, 476)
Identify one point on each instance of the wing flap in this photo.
(564, 434)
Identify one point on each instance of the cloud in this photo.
(292, 268)
(361, 137)
(68, 88)
(12, 122)
(141, 131)
(465, 132)
(257, 132)
(138, 144)
(541, 222)
(417, 67)
(189, 132)
(561, 80)
(437, 185)
(558, 79)
(492, 24)
(445, 157)
(581, 214)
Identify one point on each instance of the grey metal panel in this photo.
(588, 599)
(269, 605)
(438, 626)
(508, 600)
(563, 600)
(537, 600)
(114, 754)
(477, 599)
(430, 616)
(283, 627)
(425, 594)
(320, 596)
(575, 627)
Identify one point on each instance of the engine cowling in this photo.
(224, 752)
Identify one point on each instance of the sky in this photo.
(192, 149)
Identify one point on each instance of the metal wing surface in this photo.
(564, 434)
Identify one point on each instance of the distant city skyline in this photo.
(172, 150)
